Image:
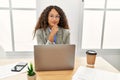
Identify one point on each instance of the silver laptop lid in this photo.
(54, 57)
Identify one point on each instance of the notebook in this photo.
(85, 73)
(54, 57)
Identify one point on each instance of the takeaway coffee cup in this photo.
(91, 56)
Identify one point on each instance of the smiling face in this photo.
(53, 18)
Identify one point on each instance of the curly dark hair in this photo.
(43, 19)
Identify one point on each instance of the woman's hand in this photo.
(54, 30)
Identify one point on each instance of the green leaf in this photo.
(30, 70)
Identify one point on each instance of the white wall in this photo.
(2, 52)
(73, 11)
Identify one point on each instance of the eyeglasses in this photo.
(56, 17)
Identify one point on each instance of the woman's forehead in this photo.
(53, 11)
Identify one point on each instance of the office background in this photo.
(94, 24)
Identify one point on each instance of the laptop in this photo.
(54, 57)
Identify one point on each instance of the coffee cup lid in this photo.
(91, 52)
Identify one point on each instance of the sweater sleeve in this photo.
(66, 36)
(40, 38)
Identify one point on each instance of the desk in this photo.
(58, 75)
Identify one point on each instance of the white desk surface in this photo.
(57, 75)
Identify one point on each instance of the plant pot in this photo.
(31, 77)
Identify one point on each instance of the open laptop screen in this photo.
(54, 57)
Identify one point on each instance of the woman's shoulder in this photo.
(39, 31)
(66, 31)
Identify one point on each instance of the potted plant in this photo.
(31, 73)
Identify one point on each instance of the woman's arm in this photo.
(40, 38)
(66, 36)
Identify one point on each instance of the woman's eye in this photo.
(51, 16)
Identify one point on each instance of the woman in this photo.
(52, 27)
